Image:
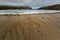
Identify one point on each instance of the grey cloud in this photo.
(33, 3)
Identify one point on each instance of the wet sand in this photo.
(30, 27)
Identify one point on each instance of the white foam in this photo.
(27, 11)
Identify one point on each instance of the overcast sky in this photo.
(33, 3)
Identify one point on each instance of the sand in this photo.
(30, 27)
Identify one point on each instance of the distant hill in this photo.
(5, 7)
(52, 7)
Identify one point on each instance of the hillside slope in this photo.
(5, 7)
(51, 7)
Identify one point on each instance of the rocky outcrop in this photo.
(5, 7)
(52, 7)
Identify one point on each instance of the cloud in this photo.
(27, 1)
(33, 3)
(9, 3)
(15, 2)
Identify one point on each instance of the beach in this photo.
(44, 26)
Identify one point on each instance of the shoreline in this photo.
(17, 14)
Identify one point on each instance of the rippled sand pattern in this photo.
(30, 27)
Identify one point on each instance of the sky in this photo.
(32, 3)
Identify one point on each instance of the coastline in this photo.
(18, 14)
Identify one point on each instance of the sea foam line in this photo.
(32, 12)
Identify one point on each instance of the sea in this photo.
(27, 11)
